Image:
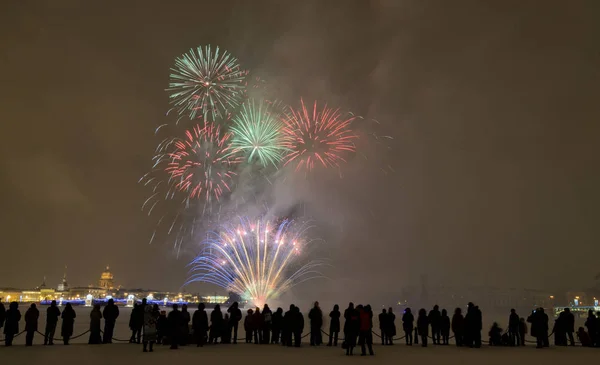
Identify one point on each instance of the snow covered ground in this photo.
(263, 354)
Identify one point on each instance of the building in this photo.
(107, 280)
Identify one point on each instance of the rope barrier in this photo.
(243, 339)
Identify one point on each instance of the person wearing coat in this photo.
(316, 322)
(334, 325)
(110, 314)
(151, 314)
(458, 327)
(2, 314)
(351, 328)
(277, 325)
(216, 325)
(185, 325)
(174, 320)
(570, 324)
(267, 320)
(390, 331)
(286, 328)
(136, 322)
(423, 326)
(383, 325)
(235, 316)
(95, 326)
(408, 321)
(445, 327)
(31, 324)
(200, 325)
(249, 325)
(365, 317)
(258, 324)
(52, 316)
(11, 323)
(297, 326)
(68, 321)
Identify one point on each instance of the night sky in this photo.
(493, 106)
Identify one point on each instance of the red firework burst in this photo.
(202, 164)
(318, 136)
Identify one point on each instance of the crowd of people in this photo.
(149, 326)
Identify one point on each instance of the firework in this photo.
(258, 259)
(201, 165)
(316, 136)
(205, 84)
(257, 132)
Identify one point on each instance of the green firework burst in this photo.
(206, 83)
(257, 131)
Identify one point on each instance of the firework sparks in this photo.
(202, 165)
(206, 83)
(255, 259)
(317, 137)
(257, 132)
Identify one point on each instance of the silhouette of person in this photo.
(383, 325)
(11, 323)
(391, 327)
(162, 328)
(95, 326)
(68, 322)
(539, 327)
(136, 322)
(495, 335)
(522, 330)
(408, 321)
(151, 314)
(185, 325)
(365, 337)
(560, 330)
(267, 319)
(110, 314)
(297, 326)
(2, 314)
(351, 328)
(174, 321)
(31, 324)
(226, 330)
(584, 337)
(478, 326)
(423, 326)
(288, 321)
(473, 325)
(570, 325)
(334, 325)
(458, 327)
(277, 325)
(445, 327)
(52, 316)
(513, 328)
(435, 318)
(235, 316)
(592, 326)
(258, 324)
(216, 324)
(249, 325)
(316, 322)
(200, 325)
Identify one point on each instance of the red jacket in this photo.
(365, 320)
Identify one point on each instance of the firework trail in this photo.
(202, 165)
(206, 84)
(317, 137)
(257, 132)
(257, 259)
